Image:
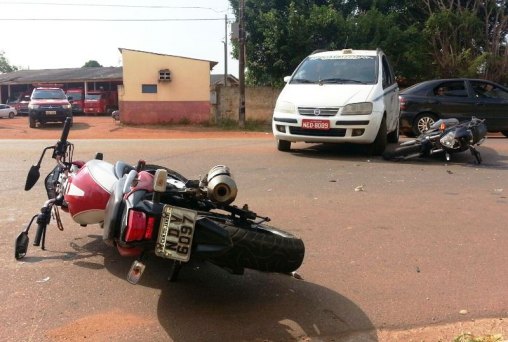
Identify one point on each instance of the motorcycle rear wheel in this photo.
(402, 152)
(261, 247)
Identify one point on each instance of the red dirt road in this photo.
(102, 127)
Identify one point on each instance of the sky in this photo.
(50, 34)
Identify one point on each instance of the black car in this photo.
(424, 103)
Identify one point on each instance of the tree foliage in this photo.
(4, 64)
(92, 64)
(423, 38)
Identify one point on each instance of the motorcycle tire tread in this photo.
(402, 151)
(268, 249)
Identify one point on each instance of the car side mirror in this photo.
(287, 78)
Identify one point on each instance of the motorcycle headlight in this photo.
(448, 140)
(285, 107)
(362, 108)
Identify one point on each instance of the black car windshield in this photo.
(339, 69)
(92, 96)
(53, 94)
(75, 96)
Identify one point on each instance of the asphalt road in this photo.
(423, 244)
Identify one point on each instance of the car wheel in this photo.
(11, 115)
(393, 137)
(378, 146)
(423, 123)
(31, 122)
(505, 133)
(284, 145)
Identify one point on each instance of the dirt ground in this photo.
(104, 127)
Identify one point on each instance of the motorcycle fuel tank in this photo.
(89, 190)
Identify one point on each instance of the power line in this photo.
(95, 19)
(108, 5)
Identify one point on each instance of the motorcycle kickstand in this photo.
(476, 154)
(136, 271)
(174, 270)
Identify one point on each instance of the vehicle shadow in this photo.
(354, 152)
(57, 126)
(257, 306)
(333, 151)
(207, 303)
(490, 159)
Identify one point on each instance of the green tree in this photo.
(468, 38)
(92, 64)
(281, 33)
(4, 64)
(423, 38)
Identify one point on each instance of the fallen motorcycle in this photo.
(445, 136)
(150, 209)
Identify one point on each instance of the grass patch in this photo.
(471, 338)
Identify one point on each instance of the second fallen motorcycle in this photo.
(446, 137)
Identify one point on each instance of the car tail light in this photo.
(403, 103)
(139, 226)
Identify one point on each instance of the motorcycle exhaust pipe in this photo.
(221, 187)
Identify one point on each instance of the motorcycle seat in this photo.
(121, 168)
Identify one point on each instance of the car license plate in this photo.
(51, 112)
(175, 233)
(315, 124)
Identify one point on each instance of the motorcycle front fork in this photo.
(474, 152)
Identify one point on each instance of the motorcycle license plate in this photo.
(315, 124)
(50, 112)
(175, 233)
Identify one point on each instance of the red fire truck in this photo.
(77, 99)
(100, 102)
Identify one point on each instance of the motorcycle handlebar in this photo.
(38, 234)
(61, 145)
(66, 129)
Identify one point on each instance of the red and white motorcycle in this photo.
(153, 209)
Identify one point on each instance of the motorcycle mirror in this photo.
(32, 177)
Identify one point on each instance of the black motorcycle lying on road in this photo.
(445, 136)
(150, 209)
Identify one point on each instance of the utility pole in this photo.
(226, 50)
(241, 62)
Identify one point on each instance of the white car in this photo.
(7, 111)
(344, 96)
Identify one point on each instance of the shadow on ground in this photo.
(210, 304)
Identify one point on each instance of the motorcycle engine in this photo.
(221, 187)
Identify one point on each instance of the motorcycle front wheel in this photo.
(261, 247)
